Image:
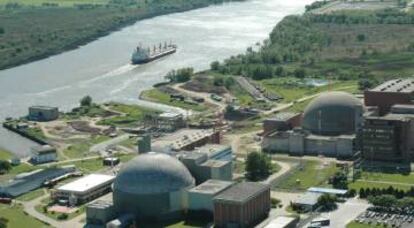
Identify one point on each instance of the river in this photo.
(101, 68)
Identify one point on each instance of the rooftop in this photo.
(170, 115)
(181, 138)
(241, 192)
(328, 190)
(43, 149)
(280, 222)
(215, 163)
(396, 86)
(43, 107)
(212, 187)
(309, 198)
(87, 183)
(283, 116)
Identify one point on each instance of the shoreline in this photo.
(75, 45)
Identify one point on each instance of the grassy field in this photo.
(383, 180)
(4, 154)
(291, 89)
(93, 165)
(309, 174)
(80, 148)
(32, 195)
(364, 184)
(156, 95)
(133, 115)
(15, 217)
(361, 225)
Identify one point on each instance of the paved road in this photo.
(346, 212)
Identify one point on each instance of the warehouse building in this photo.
(200, 198)
(43, 154)
(43, 113)
(243, 205)
(331, 127)
(27, 182)
(384, 96)
(84, 189)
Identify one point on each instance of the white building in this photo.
(43, 154)
(84, 189)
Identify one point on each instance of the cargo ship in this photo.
(144, 55)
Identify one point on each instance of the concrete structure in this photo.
(169, 122)
(333, 114)
(308, 201)
(330, 127)
(216, 151)
(384, 96)
(282, 121)
(389, 138)
(84, 189)
(185, 139)
(152, 186)
(243, 205)
(332, 191)
(100, 212)
(43, 154)
(43, 113)
(203, 168)
(144, 144)
(283, 222)
(200, 198)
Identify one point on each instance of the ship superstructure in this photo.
(145, 55)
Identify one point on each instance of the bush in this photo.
(62, 217)
(275, 202)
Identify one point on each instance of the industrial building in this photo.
(43, 154)
(152, 186)
(384, 96)
(282, 121)
(330, 127)
(100, 212)
(243, 205)
(283, 222)
(185, 139)
(168, 122)
(27, 182)
(200, 198)
(203, 168)
(215, 151)
(43, 113)
(389, 137)
(84, 189)
(144, 143)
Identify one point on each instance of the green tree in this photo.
(340, 180)
(258, 166)
(5, 166)
(214, 66)
(1, 31)
(180, 75)
(327, 202)
(86, 101)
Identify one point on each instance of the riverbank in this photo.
(31, 33)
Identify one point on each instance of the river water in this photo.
(101, 68)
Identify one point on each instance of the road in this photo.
(205, 96)
(101, 147)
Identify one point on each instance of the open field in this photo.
(157, 95)
(360, 225)
(383, 180)
(308, 174)
(364, 184)
(132, 115)
(5, 155)
(80, 148)
(13, 216)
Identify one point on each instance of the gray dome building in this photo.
(152, 185)
(333, 114)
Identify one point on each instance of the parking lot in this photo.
(398, 219)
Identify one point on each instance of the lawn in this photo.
(361, 225)
(292, 89)
(308, 174)
(15, 217)
(363, 184)
(396, 180)
(133, 114)
(5, 155)
(32, 195)
(158, 96)
(93, 165)
(80, 148)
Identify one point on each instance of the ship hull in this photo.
(152, 58)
